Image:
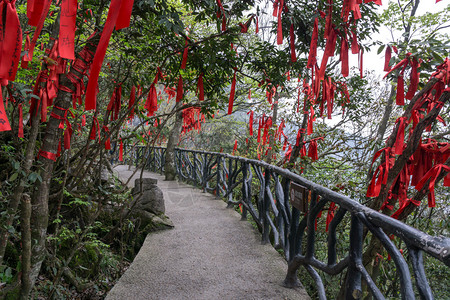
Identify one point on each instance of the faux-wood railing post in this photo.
(230, 182)
(353, 284)
(266, 205)
(245, 190)
(219, 161)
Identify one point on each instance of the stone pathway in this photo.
(210, 254)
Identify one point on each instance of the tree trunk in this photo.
(26, 246)
(170, 170)
(39, 201)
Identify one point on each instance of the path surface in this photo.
(210, 254)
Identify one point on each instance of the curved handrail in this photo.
(280, 222)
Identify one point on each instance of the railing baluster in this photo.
(353, 284)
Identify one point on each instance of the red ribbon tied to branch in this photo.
(10, 40)
(115, 9)
(232, 93)
(432, 174)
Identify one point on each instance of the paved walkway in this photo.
(210, 254)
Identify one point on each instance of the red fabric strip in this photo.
(108, 140)
(121, 151)
(10, 42)
(330, 215)
(400, 97)
(232, 93)
(4, 123)
(414, 79)
(257, 25)
(179, 89)
(91, 91)
(312, 150)
(67, 29)
(123, 20)
(250, 122)
(151, 105)
(235, 146)
(34, 11)
(355, 46)
(39, 24)
(26, 48)
(387, 58)
(48, 155)
(432, 174)
(280, 24)
(399, 142)
(185, 56)
(344, 57)
(292, 43)
(200, 89)
(313, 47)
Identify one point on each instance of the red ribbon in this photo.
(250, 122)
(312, 150)
(10, 41)
(280, 24)
(91, 91)
(432, 174)
(123, 20)
(257, 25)
(344, 56)
(382, 171)
(67, 24)
(48, 155)
(387, 58)
(330, 214)
(313, 47)
(37, 19)
(67, 135)
(4, 123)
(232, 93)
(151, 105)
(185, 56)
(355, 46)
(95, 129)
(108, 140)
(292, 43)
(399, 142)
(414, 79)
(235, 146)
(121, 151)
(200, 89)
(179, 89)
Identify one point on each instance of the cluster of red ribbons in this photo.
(428, 161)
(414, 77)
(192, 119)
(10, 47)
(115, 102)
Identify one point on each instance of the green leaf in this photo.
(380, 49)
(13, 177)
(33, 176)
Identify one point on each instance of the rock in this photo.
(149, 206)
(152, 199)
